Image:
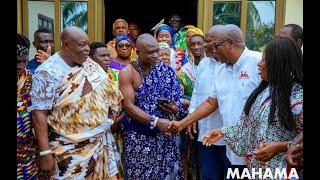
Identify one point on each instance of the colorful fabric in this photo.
(26, 144)
(118, 137)
(245, 136)
(116, 65)
(186, 85)
(113, 76)
(190, 69)
(165, 27)
(180, 39)
(196, 30)
(149, 154)
(180, 58)
(79, 134)
(123, 38)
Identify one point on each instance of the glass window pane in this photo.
(226, 13)
(74, 14)
(39, 22)
(45, 23)
(38, 12)
(260, 24)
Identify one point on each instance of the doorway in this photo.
(146, 15)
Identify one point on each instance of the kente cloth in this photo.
(118, 136)
(26, 144)
(111, 45)
(113, 76)
(79, 135)
(149, 154)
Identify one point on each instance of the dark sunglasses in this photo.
(127, 46)
(174, 20)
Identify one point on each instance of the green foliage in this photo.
(227, 13)
(258, 33)
(75, 14)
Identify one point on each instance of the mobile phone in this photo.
(163, 101)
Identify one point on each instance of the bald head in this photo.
(71, 33)
(147, 49)
(145, 40)
(75, 46)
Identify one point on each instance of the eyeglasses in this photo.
(174, 20)
(217, 44)
(127, 46)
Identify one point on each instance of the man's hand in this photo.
(41, 56)
(295, 156)
(175, 127)
(266, 151)
(192, 128)
(86, 88)
(171, 108)
(47, 165)
(211, 137)
(163, 125)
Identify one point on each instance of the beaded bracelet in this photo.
(153, 122)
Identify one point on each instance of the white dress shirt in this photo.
(201, 91)
(232, 86)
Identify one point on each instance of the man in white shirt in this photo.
(234, 81)
(213, 161)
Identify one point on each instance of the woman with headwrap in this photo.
(163, 32)
(26, 144)
(123, 47)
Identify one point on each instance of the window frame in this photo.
(205, 14)
(96, 22)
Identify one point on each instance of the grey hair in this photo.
(215, 29)
(233, 32)
(119, 20)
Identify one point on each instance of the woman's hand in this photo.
(211, 137)
(267, 151)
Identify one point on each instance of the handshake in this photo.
(171, 128)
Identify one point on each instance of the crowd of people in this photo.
(173, 103)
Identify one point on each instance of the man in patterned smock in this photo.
(149, 153)
(71, 99)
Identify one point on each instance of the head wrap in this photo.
(123, 37)
(165, 27)
(164, 45)
(23, 45)
(196, 30)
